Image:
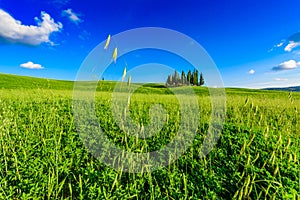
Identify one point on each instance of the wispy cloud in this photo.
(281, 79)
(73, 17)
(31, 65)
(291, 45)
(294, 41)
(12, 30)
(251, 71)
(277, 45)
(287, 65)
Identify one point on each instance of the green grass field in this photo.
(43, 157)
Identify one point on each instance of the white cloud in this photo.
(279, 44)
(291, 46)
(281, 79)
(31, 65)
(287, 65)
(251, 71)
(73, 17)
(13, 30)
(294, 41)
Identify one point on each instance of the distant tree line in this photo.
(191, 78)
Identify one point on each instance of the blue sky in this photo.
(254, 44)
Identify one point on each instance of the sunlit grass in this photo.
(42, 156)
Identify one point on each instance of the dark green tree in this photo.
(173, 78)
(195, 77)
(168, 80)
(183, 78)
(192, 78)
(189, 77)
(176, 78)
(201, 79)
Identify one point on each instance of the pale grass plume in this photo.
(124, 74)
(115, 54)
(107, 42)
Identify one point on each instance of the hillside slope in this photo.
(8, 81)
(294, 89)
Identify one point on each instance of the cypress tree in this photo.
(201, 79)
(195, 77)
(189, 77)
(183, 78)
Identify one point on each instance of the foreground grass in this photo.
(42, 156)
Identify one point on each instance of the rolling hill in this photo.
(293, 89)
(47, 146)
(8, 81)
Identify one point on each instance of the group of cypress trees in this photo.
(191, 78)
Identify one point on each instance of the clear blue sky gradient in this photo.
(239, 35)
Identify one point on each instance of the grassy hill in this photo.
(8, 81)
(42, 155)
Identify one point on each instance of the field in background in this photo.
(42, 156)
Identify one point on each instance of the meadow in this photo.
(43, 157)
